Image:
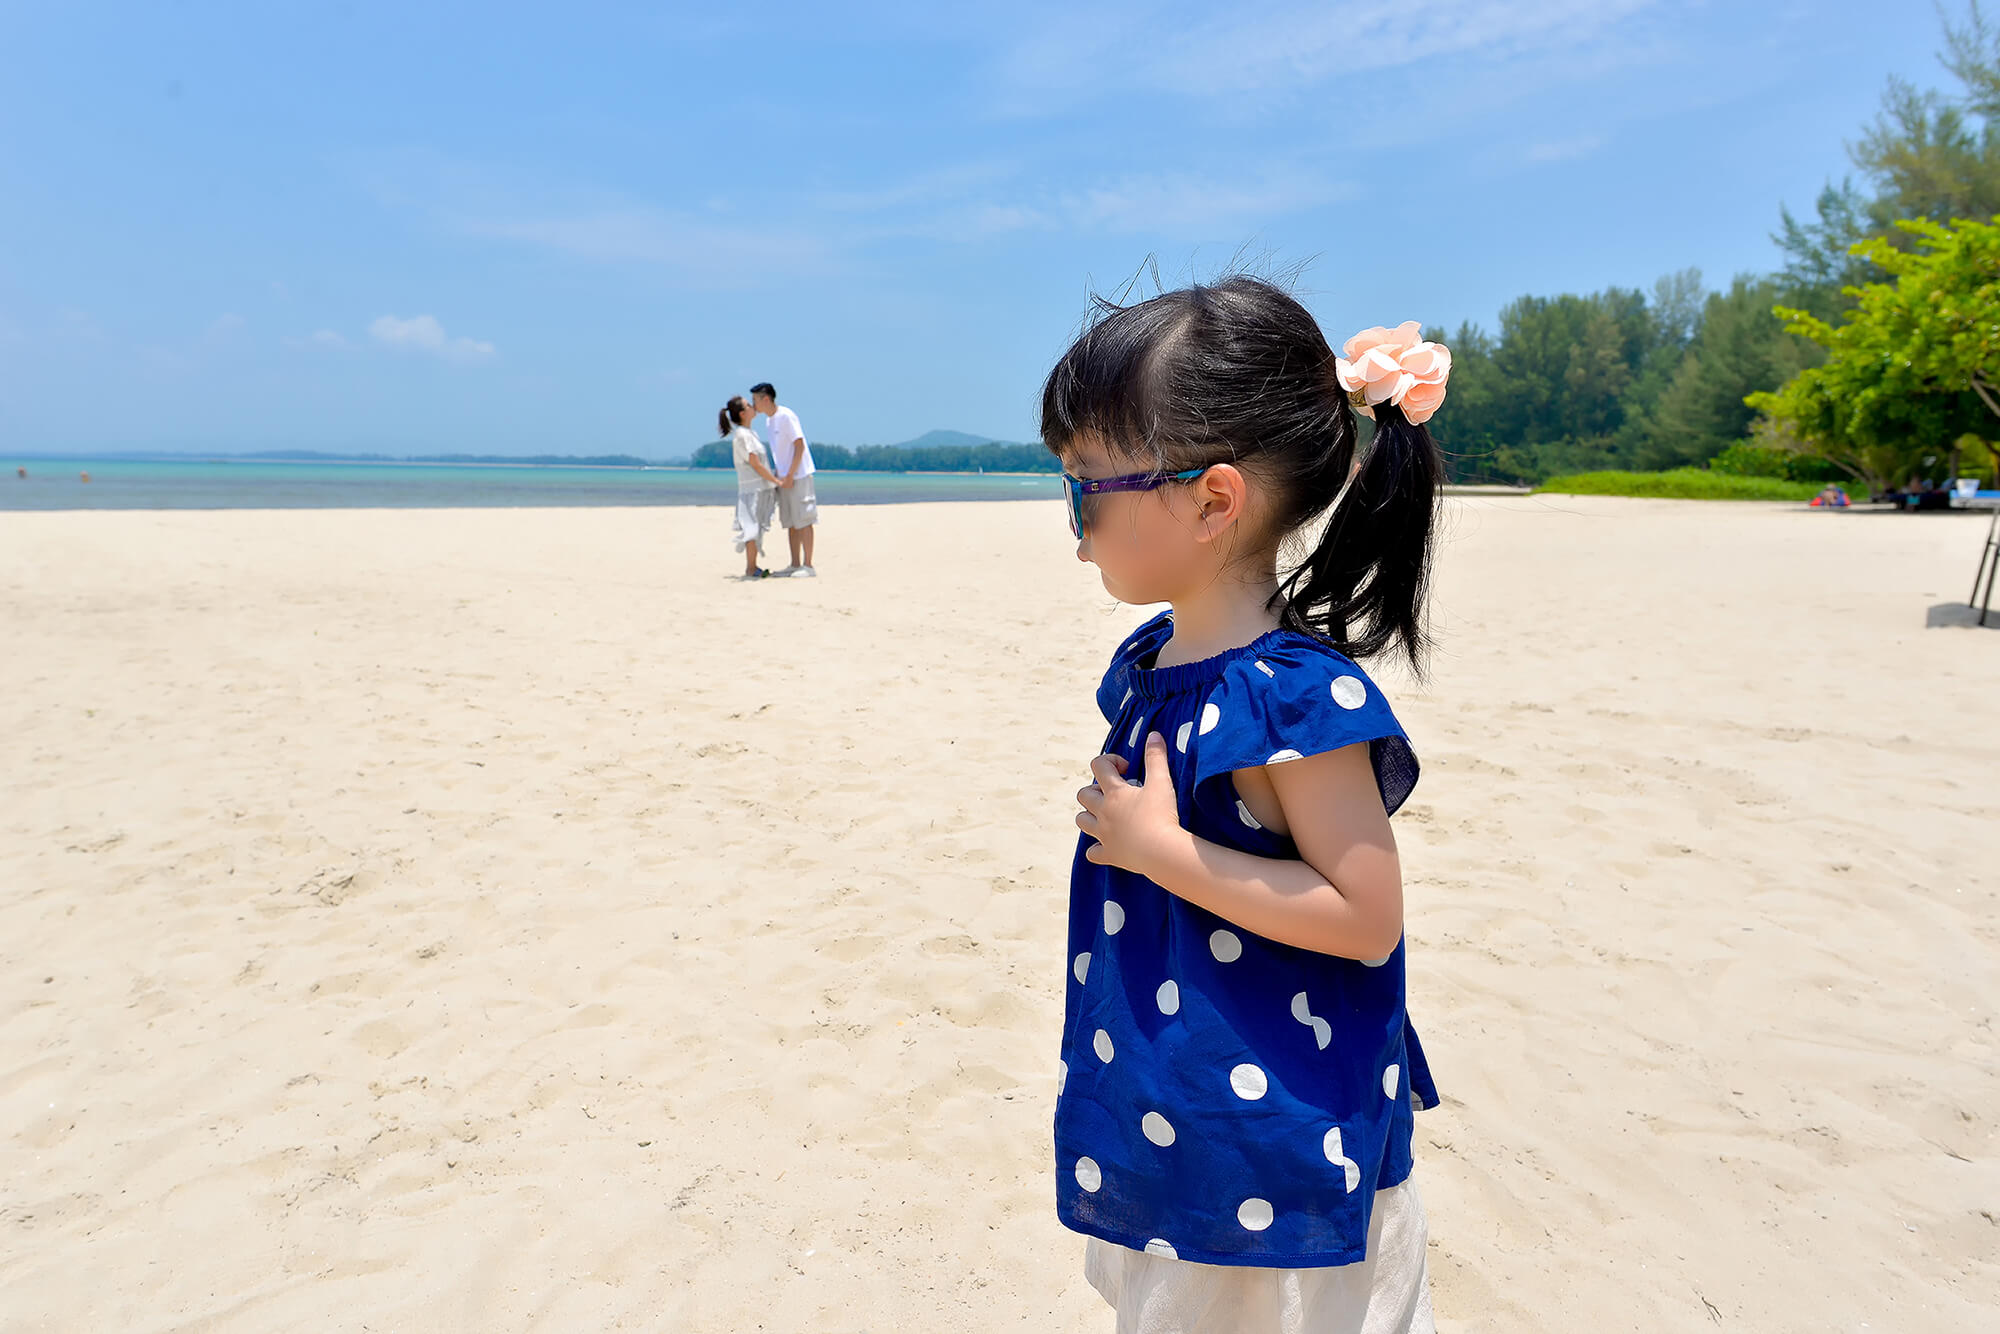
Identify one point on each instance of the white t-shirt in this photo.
(786, 435)
(744, 446)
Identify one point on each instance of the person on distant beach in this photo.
(756, 484)
(1239, 1073)
(791, 456)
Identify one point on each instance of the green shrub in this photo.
(1679, 484)
(1744, 459)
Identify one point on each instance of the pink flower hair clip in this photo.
(1394, 366)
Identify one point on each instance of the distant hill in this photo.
(933, 451)
(948, 440)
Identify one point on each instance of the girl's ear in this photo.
(1220, 495)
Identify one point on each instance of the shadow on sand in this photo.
(1956, 614)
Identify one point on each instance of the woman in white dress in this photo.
(756, 484)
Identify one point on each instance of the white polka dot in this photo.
(1348, 692)
(1321, 1029)
(1087, 1174)
(1243, 814)
(1081, 967)
(1266, 670)
(1127, 700)
(1062, 1075)
(1169, 997)
(1181, 737)
(1225, 946)
(1337, 1155)
(1391, 1078)
(1114, 918)
(1283, 757)
(1248, 1082)
(1210, 716)
(1101, 1044)
(1375, 963)
(1255, 1214)
(1158, 1247)
(1133, 740)
(1157, 1129)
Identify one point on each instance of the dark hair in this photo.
(766, 390)
(1237, 371)
(728, 420)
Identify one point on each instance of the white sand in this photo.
(497, 920)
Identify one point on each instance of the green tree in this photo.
(1820, 263)
(1913, 366)
(1469, 431)
(1928, 154)
(1740, 349)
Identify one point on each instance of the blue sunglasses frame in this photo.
(1076, 488)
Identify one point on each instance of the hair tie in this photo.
(1394, 366)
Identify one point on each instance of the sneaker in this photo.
(803, 572)
(758, 573)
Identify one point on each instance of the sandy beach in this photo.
(502, 920)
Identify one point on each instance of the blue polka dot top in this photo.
(1227, 1099)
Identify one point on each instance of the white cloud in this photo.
(326, 338)
(1284, 46)
(1184, 203)
(1564, 150)
(423, 333)
(650, 235)
(77, 325)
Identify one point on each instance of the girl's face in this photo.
(1145, 544)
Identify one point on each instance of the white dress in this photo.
(1388, 1293)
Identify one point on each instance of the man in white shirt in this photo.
(792, 460)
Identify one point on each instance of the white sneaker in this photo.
(804, 572)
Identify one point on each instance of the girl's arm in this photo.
(1345, 895)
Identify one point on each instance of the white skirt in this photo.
(753, 514)
(1388, 1293)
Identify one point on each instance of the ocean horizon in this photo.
(226, 484)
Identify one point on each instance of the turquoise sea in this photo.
(56, 484)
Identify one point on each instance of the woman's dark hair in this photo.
(1237, 371)
(731, 413)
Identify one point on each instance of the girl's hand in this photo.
(1137, 826)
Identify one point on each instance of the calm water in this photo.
(54, 484)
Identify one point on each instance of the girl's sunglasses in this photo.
(1076, 488)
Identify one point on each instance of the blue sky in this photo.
(577, 229)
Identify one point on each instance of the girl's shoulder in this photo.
(1289, 696)
(1139, 648)
(1142, 644)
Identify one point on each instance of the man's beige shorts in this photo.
(798, 507)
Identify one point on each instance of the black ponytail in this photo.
(729, 419)
(1363, 586)
(1238, 372)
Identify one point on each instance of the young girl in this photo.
(1233, 1126)
(756, 484)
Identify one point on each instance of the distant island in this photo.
(933, 451)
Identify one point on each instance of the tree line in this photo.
(1636, 380)
(995, 456)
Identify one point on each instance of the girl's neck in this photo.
(1227, 614)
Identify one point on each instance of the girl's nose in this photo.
(1081, 554)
